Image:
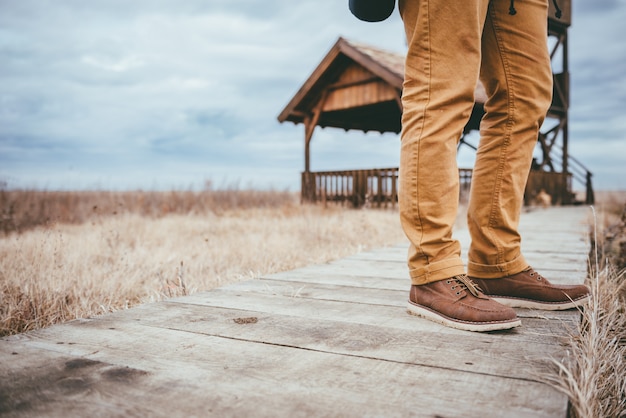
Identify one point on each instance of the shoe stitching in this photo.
(481, 310)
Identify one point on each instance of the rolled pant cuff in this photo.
(436, 271)
(484, 271)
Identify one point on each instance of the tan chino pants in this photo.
(451, 44)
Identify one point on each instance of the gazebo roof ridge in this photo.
(391, 61)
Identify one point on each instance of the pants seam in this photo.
(428, 70)
(507, 137)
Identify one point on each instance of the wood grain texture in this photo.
(325, 340)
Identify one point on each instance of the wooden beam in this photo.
(310, 122)
(341, 85)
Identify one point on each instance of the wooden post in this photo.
(307, 193)
(310, 122)
(567, 192)
(589, 198)
(309, 127)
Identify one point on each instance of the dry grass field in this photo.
(68, 256)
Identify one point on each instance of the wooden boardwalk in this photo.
(325, 340)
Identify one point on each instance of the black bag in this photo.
(372, 10)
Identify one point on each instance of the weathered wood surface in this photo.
(327, 340)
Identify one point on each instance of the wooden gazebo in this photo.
(359, 87)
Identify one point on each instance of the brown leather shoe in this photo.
(457, 302)
(528, 289)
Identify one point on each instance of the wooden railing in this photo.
(378, 187)
(577, 172)
(373, 187)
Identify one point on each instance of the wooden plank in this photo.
(411, 346)
(188, 374)
(396, 270)
(356, 294)
(305, 289)
(398, 278)
(326, 340)
(340, 312)
(362, 268)
(562, 243)
(395, 254)
(311, 276)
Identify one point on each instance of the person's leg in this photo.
(517, 76)
(441, 73)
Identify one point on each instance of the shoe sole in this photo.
(426, 313)
(546, 306)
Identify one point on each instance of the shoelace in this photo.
(467, 284)
(557, 13)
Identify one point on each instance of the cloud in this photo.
(596, 7)
(160, 93)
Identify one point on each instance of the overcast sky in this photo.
(161, 94)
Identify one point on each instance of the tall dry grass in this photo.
(21, 210)
(593, 374)
(608, 237)
(62, 271)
